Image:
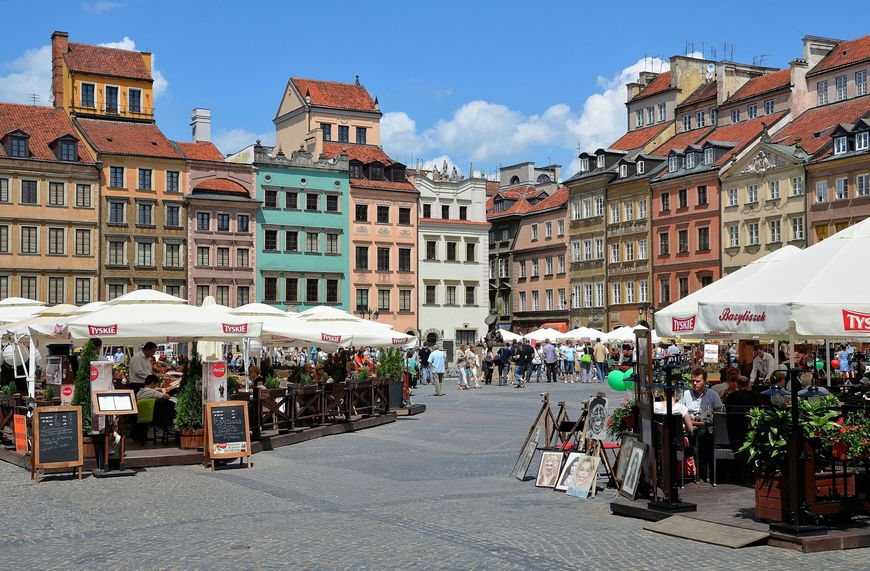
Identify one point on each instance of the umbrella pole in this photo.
(31, 370)
(828, 362)
(245, 351)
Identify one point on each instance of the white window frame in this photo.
(708, 156)
(822, 92)
(797, 186)
(638, 118)
(751, 111)
(642, 249)
(643, 288)
(732, 197)
(623, 171)
(797, 228)
(733, 236)
(599, 161)
(752, 193)
(699, 118)
(598, 202)
(862, 185)
(548, 229)
(536, 301)
(773, 189)
(841, 186)
(575, 251)
(629, 251)
(629, 292)
(775, 227)
(614, 254)
(629, 211)
(841, 145)
(641, 209)
(599, 248)
(599, 294)
(673, 163)
(690, 160)
(861, 82)
(640, 167)
(862, 140)
(662, 111)
(735, 115)
(752, 234)
(768, 107)
(821, 191)
(687, 122)
(616, 294)
(588, 299)
(842, 84)
(650, 115)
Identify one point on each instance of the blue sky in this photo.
(488, 82)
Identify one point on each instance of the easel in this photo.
(545, 421)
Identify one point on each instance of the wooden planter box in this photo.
(771, 494)
(192, 439)
(89, 450)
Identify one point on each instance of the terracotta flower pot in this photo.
(192, 439)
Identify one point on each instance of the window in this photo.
(203, 221)
(562, 264)
(666, 201)
(536, 302)
(430, 295)
(18, 147)
(599, 294)
(69, 151)
(404, 259)
(643, 287)
(752, 193)
(291, 241)
(470, 298)
(362, 257)
(242, 223)
(134, 100)
(641, 208)
(326, 128)
(687, 122)
(629, 251)
(242, 258)
(522, 301)
(445, 211)
(641, 249)
(4, 190)
(708, 156)
(752, 111)
(172, 256)
(222, 294)
(561, 299)
(650, 115)
(773, 188)
(312, 290)
(83, 242)
(584, 164)
(641, 167)
(732, 197)
(56, 241)
(714, 116)
(775, 231)
(144, 254)
(312, 242)
(822, 232)
(861, 185)
(116, 290)
(431, 250)
(841, 145)
(614, 213)
(383, 214)
(535, 268)
(534, 231)
(29, 240)
(629, 210)
(673, 163)
(797, 186)
(682, 241)
(470, 248)
(599, 161)
(145, 179)
(699, 118)
(733, 236)
(117, 254)
(599, 206)
(28, 192)
(664, 244)
(822, 92)
(616, 294)
(587, 295)
(548, 266)
(842, 188)
(56, 192)
(684, 287)
(841, 87)
(243, 295)
(661, 108)
(360, 135)
(549, 300)
(271, 199)
(427, 211)
(356, 170)
(223, 222)
(861, 82)
(638, 119)
(312, 201)
(752, 233)
(405, 215)
(223, 257)
(361, 212)
(332, 244)
(797, 228)
(768, 107)
(291, 200)
(690, 160)
(614, 253)
(270, 240)
(270, 290)
(116, 177)
(735, 115)
(332, 203)
(4, 240)
(145, 215)
(82, 291)
(703, 239)
(521, 269)
(291, 290)
(55, 290)
(450, 295)
(203, 256)
(548, 229)
(332, 291)
(87, 93)
(623, 171)
(599, 248)
(862, 141)
(575, 250)
(28, 287)
(683, 197)
(702, 195)
(343, 134)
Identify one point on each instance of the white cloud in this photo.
(100, 7)
(233, 140)
(491, 132)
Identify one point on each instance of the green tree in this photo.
(188, 406)
(82, 393)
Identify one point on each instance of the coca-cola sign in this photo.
(400, 340)
(94, 330)
(95, 373)
(219, 369)
(67, 391)
(326, 338)
(682, 324)
(855, 321)
(231, 329)
(745, 316)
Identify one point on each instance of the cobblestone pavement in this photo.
(428, 492)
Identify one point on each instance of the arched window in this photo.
(515, 180)
(543, 178)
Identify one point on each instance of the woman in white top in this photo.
(677, 407)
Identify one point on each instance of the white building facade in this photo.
(453, 246)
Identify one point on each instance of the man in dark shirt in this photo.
(424, 363)
(524, 363)
(504, 364)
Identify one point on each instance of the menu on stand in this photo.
(57, 438)
(228, 430)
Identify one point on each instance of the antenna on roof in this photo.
(34, 98)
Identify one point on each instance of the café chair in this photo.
(145, 419)
(722, 448)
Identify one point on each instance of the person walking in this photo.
(488, 365)
(472, 363)
(438, 364)
(504, 363)
(550, 358)
(462, 365)
(524, 363)
(586, 373)
(599, 354)
(537, 365)
(568, 352)
(423, 359)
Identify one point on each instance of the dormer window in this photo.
(673, 163)
(376, 171)
(641, 167)
(862, 141)
(356, 170)
(841, 145)
(584, 165)
(18, 146)
(708, 156)
(690, 160)
(68, 151)
(599, 163)
(623, 171)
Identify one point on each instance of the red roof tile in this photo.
(97, 60)
(44, 125)
(200, 151)
(519, 207)
(555, 200)
(813, 127)
(846, 53)
(221, 185)
(773, 81)
(517, 192)
(334, 94)
(382, 184)
(680, 141)
(741, 134)
(703, 93)
(460, 222)
(659, 84)
(127, 138)
(492, 187)
(362, 153)
(638, 138)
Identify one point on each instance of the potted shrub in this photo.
(622, 419)
(188, 407)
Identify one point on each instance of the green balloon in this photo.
(819, 364)
(615, 380)
(627, 374)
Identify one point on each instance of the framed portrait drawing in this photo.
(585, 479)
(548, 472)
(633, 470)
(625, 445)
(596, 419)
(568, 469)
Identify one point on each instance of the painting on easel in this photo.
(548, 472)
(596, 420)
(585, 480)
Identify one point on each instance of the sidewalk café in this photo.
(783, 446)
(170, 356)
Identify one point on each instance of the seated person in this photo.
(660, 407)
(164, 408)
(743, 398)
(257, 379)
(150, 390)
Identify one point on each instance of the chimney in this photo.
(59, 47)
(200, 121)
(356, 81)
(377, 104)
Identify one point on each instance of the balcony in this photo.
(627, 228)
(587, 265)
(632, 267)
(586, 222)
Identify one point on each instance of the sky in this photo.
(484, 82)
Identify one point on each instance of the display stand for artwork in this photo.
(644, 421)
(544, 421)
(595, 446)
(574, 432)
(113, 404)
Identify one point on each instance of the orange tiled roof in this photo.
(200, 151)
(706, 91)
(492, 187)
(659, 84)
(846, 53)
(44, 125)
(558, 198)
(444, 221)
(777, 80)
(362, 153)
(517, 192)
(221, 185)
(813, 127)
(680, 141)
(127, 138)
(97, 60)
(741, 134)
(638, 138)
(335, 94)
(519, 207)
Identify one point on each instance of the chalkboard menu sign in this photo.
(228, 431)
(57, 438)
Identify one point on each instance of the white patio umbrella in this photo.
(327, 313)
(680, 319)
(510, 337)
(582, 334)
(283, 328)
(628, 334)
(539, 335)
(17, 308)
(332, 325)
(211, 350)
